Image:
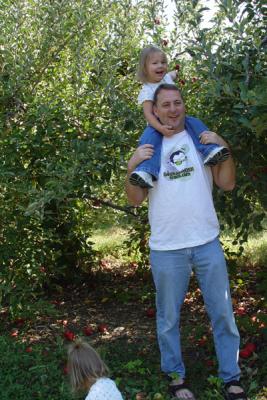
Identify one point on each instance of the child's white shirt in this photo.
(148, 89)
(104, 389)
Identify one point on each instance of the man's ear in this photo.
(155, 110)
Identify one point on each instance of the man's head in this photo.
(169, 106)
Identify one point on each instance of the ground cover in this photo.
(114, 309)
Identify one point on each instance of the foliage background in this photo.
(69, 121)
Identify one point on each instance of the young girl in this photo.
(88, 372)
(152, 72)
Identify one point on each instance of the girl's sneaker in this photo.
(142, 179)
(217, 155)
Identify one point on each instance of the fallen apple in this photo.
(240, 311)
(102, 328)
(88, 330)
(250, 347)
(69, 335)
(65, 370)
(151, 312)
(245, 353)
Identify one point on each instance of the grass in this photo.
(32, 372)
(38, 374)
(108, 239)
(256, 250)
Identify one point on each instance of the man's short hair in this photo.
(165, 86)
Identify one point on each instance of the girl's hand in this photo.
(143, 152)
(166, 130)
(207, 137)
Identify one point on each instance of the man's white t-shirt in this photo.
(148, 89)
(104, 389)
(181, 210)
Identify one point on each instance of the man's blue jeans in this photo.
(171, 273)
(150, 136)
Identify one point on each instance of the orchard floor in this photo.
(117, 303)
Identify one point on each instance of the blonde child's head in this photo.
(145, 56)
(84, 366)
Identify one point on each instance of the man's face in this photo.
(170, 109)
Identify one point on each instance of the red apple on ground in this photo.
(250, 347)
(240, 311)
(19, 321)
(14, 333)
(88, 330)
(151, 312)
(102, 328)
(69, 335)
(210, 363)
(65, 370)
(202, 342)
(245, 353)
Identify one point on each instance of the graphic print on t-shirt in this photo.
(177, 164)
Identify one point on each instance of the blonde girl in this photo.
(89, 373)
(153, 72)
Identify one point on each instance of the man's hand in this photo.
(143, 152)
(166, 130)
(207, 137)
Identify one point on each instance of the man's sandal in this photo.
(234, 396)
(173, 388)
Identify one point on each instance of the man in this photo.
(184, 235)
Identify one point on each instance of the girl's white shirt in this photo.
(148, 89)
(104, 389)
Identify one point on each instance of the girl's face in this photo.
(156, 67)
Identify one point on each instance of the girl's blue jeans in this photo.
(150, 136)
(171, 271)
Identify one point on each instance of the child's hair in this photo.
(144, 56)
(84, 366)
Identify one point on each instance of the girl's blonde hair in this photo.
(84, 366)
(144, 57)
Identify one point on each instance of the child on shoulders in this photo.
(152, 72)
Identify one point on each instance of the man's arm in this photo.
(224, 172)
(135, 194)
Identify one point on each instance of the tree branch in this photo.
(127, 209)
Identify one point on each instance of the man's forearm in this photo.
(224, 173)
(135, 194)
